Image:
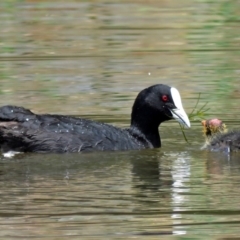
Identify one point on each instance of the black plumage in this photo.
(23, 131)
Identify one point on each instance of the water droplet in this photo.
(27, 119)
(11, 110)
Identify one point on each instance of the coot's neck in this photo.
(147, 123)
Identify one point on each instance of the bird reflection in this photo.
(146, 170)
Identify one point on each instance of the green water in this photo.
(91, 58)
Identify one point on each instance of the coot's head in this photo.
(157, 104)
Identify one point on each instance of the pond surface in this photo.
(90, 59)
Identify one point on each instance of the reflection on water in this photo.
(91, 59)
(180, 175)
(121, 194)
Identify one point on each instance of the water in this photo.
(121, 195)
(91, 59)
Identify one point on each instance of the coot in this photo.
(218, 138)
(23, 131)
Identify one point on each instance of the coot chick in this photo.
(23, 131)
(218, 138)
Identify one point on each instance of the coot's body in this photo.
(23, 131)
(56, 133)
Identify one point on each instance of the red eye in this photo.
(165, 98)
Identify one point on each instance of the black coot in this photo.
(218, 138)
(23, 131)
